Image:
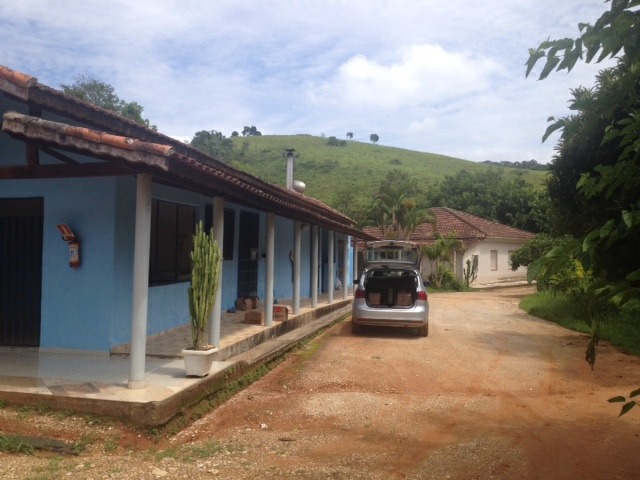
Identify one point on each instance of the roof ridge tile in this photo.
(96, 136)
(19, 78)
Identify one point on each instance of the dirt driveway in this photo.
(491, 393)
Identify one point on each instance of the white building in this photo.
(486, 243)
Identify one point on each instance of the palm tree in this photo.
(415, 217)
(377, 217)
(438, 253)
(391, 207)
(396, 215)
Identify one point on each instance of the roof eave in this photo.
(164, 163)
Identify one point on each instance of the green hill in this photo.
(328, 170)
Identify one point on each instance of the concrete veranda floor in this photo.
(98, 383)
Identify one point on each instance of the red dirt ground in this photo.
(491, 393)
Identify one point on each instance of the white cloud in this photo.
(444, 77)
(421, 75)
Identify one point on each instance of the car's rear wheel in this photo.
(424, 330)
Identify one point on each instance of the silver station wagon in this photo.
(390, 291)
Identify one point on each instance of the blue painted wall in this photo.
(89, 308)
(124, 228)
(76, 302)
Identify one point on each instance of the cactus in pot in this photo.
(206, 267)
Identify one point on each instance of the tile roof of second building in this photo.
(462, 226)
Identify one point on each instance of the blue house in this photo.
(96, 219)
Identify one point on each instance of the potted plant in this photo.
(205, 277)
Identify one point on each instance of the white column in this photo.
(345, 267)
(296, 267)
(139, 309)
(330, 266)
(268, 280)
(355, 262)
(455, 264)
(321, 277)
(218, 232)
(314, 266)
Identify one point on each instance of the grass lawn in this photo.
(621, 329)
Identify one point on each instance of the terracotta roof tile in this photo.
(84, 133)
(464, 223)
(468, 228)
(119, 141)
(19, 78)
(37, 127)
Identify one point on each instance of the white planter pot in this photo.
(197, 363)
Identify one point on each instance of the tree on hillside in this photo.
(346, 201)
(251, 131)
(335, 142)
(524, 165)
(397, 179)
(96, 92)
(213, 143)
(350, 135)
(374, 138)
(599, 151)
(490, 194)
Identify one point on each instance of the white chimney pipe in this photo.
(290, 167)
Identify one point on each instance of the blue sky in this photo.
(433, 76)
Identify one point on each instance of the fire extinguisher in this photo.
(74, 244)
(74, 253)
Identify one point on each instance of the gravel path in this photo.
(491, 393)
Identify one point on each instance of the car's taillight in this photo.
(422, 295)
(359, 293)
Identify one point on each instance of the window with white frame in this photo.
(494, 260)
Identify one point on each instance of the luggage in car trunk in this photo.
(391, 291)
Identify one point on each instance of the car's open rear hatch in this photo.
(389, 253)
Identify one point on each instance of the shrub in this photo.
(334, 142)
(448, 280)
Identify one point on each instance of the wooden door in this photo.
(20, 271)
(248, 254)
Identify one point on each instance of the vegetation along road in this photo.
(491, 393)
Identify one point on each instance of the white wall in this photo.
(503, 273)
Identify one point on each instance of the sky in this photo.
(445, 77)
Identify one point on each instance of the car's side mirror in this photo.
(426, 282)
